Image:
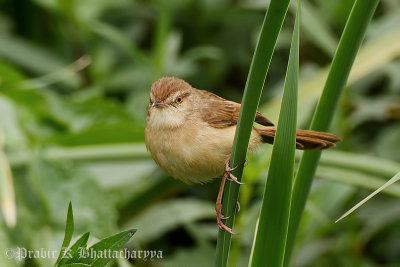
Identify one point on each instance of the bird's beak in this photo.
(158, 103)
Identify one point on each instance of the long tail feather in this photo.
(305, 139)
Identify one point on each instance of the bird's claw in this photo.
(229, 175)
(228, 168)
(220, 217)
(222, 226)
(233, 178)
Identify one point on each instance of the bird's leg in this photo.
(218, 204)
(231, 177)
(218, 207)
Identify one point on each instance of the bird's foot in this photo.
(218, 205)
(228, 173)
(220, 217)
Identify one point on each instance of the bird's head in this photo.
(170, 102)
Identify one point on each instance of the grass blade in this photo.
(75, 250)
(362, 202)
(349, 44)
(85, 153)
(259, 66)
(69, 231)
(270, 239)
(110, 244)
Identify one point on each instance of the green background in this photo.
(74, 85)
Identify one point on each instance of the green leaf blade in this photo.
(270, 240)
(76, 249)
(362, 202)
(349, 44)
(69, 231)
(112, 243)
(255, 81)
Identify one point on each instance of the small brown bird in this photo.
(189, 133)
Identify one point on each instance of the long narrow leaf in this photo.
(75, 250)
(349, 44)
(362, 202)
(111, 244)
(69, 231)
(85, 153)
(259, 66)
(270, 239)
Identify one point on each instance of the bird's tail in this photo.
(305, 139)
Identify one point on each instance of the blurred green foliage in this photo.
(74, 84)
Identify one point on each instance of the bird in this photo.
(189, 134)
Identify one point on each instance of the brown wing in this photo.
(221, 113)
(262, 120)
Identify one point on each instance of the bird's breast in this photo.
(193, 152)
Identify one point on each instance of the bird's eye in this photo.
(178, 100)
